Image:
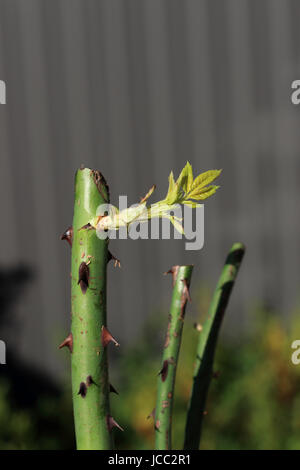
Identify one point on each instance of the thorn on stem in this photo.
(68, 235)
(106, 337)
(164, 370)
(117, 262)
(112, 389)
(82, 390)
(112, 423)
(90, 381)
(67, 342)
(83, 277)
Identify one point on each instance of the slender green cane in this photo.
(166, 380)
(90, 385)
(207, 344)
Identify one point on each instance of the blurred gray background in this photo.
(135, 88)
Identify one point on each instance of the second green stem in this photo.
(166, 381)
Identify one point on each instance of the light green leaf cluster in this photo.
(186, 190)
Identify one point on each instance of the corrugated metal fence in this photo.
(135, 88)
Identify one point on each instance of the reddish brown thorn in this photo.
(112, 389)
(82, 390)
(174, 272)
(111, 423)
(164, 370)
(67, 342)
(90, 381)
(152, 414)
(167, 340)
(83, 277)
(117, 262)
(68, 235)
(157, 425)
(106, 337)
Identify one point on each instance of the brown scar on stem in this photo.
(82, 390)
(167, 340)
(157, 425)
(100, 181)
(164, 370)
(67, 342)
(86, 227)
(68, 235)
(112, 423)
(174, 272)
(165, 404)
(83, 277)
(106, 337)
(117, 262)
(184, 298)
(112, 389)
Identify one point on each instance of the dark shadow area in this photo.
(25, 391)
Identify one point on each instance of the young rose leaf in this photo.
(172, 194)
(190, 177)
(145, 198)
(183, 178)
(205, 178)
(203, 193)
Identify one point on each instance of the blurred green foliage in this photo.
(253, 404)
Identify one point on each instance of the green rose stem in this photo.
(207, 344)
(89, 336)
(166, 380)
